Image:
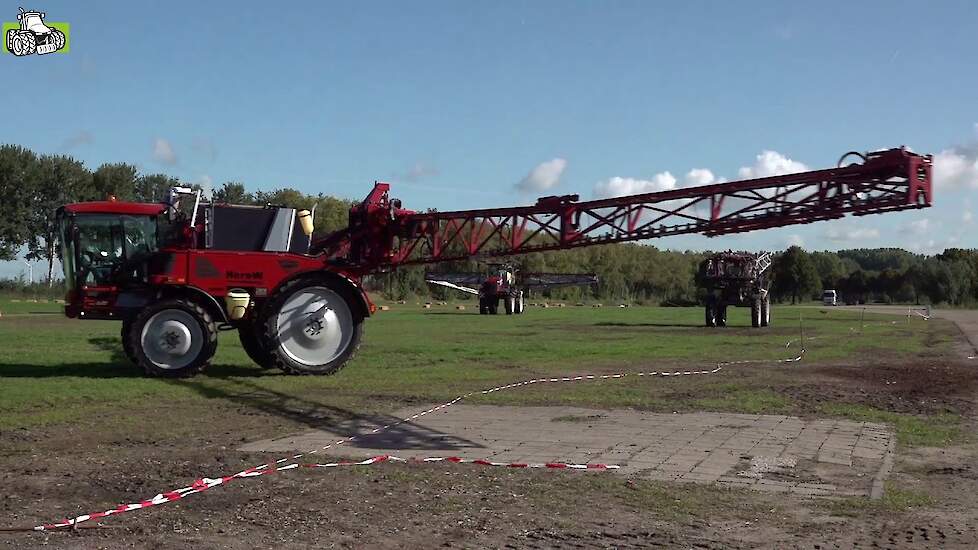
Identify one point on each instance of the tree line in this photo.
(644, 274)
(33, 186)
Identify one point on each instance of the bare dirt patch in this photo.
(925, 386)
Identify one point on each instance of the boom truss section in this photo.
(382, 235)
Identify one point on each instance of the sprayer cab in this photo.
(112, 249)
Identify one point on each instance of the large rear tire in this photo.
(59, 38)
(765, 311)
(173, 338)
(249, 334)
(493, 305)
(483, 306)
(721, 315)
(755, 313)
(509, 304)
(520, 303)
(311, 327)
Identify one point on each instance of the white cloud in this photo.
(619, 187)
(771, 163)
(419, 171)
(207, 185)
(917, 227)
(545, 176)
(843, 234)
(163, 152)
(955, 168)
(700, 176)
(795, 240)
(927, 247)
(967, 217)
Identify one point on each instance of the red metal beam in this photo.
(381, 235)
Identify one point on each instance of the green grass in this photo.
(895, 499)
(911, 430)
(56, 371)
(21, 306)
(735, 398)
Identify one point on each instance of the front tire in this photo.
(249, 334)
(721, 312)
(173, 338)
(127, 348)
(765, 311)
(23, 44)
(311, 327)
(711, 311)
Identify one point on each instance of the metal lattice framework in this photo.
(382, 235)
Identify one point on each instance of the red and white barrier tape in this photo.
(476, 461)
(204, 483)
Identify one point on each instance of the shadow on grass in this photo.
(240, 385)
(119, 366)
(119, 369)
(81, 370)
(662, 325)
(336, 421)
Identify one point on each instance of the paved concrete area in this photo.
(765, 452)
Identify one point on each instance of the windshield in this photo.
(67, 252)
(111, 248)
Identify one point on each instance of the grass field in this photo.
(80, 427)
(57, 370)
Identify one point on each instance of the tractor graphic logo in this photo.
(31, 35)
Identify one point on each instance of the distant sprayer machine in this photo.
(506, 284)
(739, 279)
(176, 274)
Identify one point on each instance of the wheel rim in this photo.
(172, 339)
(314, 326)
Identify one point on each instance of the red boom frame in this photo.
(382, 235)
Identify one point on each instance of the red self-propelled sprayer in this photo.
(175, 274)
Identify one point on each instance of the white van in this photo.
(829, 297)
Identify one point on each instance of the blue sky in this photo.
(457, 103)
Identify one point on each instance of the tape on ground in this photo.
(205, 483)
